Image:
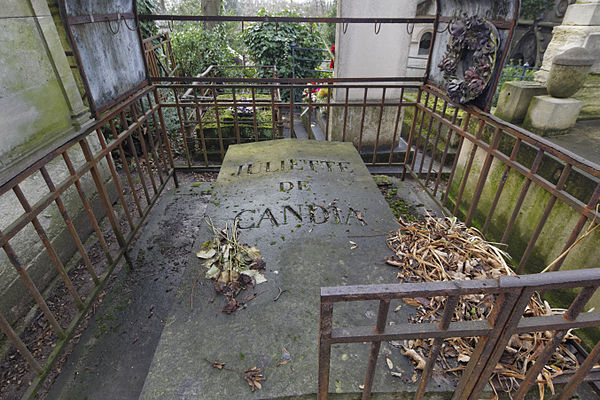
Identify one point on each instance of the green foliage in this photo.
(148, 28)
(269, 44)
(531, 9)
(329, 29)
(513, 72)
(196, 48)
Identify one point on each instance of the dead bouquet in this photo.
(443, 249)
(232, 265)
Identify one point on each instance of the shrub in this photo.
(196, 48)
(532, 9)
(148, 28)
(268, 43)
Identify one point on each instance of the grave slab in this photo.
(301, 203)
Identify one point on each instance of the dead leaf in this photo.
(217, 364)
(232, 306)
(256, 275)
(253, 376)
(416, 357)
(464, 358)
(206, 254)
(389, 363)
(285, 356)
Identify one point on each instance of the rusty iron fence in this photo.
(210, 113)
(124, 162)
(159, 55)
(512, 294)
(133, 144)
(478, 142)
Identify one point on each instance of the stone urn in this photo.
(569, 71)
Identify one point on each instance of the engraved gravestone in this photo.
(301, 203)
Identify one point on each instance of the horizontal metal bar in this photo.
(554, 280)
(500, 24)
(410, 331)
(324, 85)
(565, 377)
(91, 18)
(324, 20)
(311, 49)
(310, 59)
(409, 290)
(286, 80)
(265, 104)
(558, 322)
(545, 281)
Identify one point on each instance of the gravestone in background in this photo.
(301, 203)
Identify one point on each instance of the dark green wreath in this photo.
(470, 57)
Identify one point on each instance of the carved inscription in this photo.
(292, 164)
(287, 214)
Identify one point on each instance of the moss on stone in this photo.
(558, 227)
(589, 95)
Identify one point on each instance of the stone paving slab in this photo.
(114, 353)
(301, 203)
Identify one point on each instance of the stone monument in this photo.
(557, 112)
(580, 28)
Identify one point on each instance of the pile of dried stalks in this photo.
(232, 265)
(439, 249)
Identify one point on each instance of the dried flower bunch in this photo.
(470, 57)
(444, 249)
(232, 265)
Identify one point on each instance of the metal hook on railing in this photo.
(377, 28)
(135, 27)
(344, 27)
(114, 32)
(410, 30)
(276, 27)
(170, 24)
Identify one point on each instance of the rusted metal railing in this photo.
(159, 55)
(122, 163)
(214, 112)
(477, 142)
(127, 157)
(512, 295)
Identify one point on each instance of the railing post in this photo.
(325, 324)
(384, 307)
(508, 310)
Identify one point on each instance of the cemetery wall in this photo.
(40, 109)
